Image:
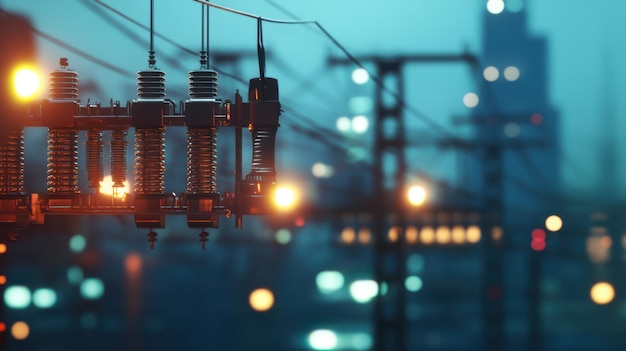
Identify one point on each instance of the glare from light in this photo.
(323, 339)
(44, 298)
(360, 76)
(107, 188)
(511, 73)
(285, 197)
(360, 104)
(329, 281)
(283, 236)
(470, 100)
(491, 73)
(473, 234)
(17, 297)
(416, 195)
(512, 130)
(3, 279)
(458, 234)
(554, 223)
(20, 330)
(362, 291)
(343, 124)
(3, 248)
(261, 299)
(413, 283)
(360, 124)
(602, 293)
(74, 275)
(92, 288)
(348, 235)
(427, 235)
(321, 170)
(443, 235)
(77, 243)
(411, 235)
(495, 7)
(26, 82)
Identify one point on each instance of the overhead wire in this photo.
(420, 115)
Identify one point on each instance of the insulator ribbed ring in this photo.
(203, 84)
(149, 161)
(201, 161)
(118, 146)
(151, 84)
(63, 161)
(12, 163)
(63, 85)
(94, 148)
(263, 154)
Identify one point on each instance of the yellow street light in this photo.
(416, 195)
(25, 82)
(285, 197)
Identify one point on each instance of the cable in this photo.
(430, 122)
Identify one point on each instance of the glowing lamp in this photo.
(25, 82)
(284, 197)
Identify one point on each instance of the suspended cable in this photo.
(430, 122)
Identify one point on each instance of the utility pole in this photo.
(390, 327)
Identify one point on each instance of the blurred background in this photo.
(457, 166)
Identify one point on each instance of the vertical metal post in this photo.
(389, 257)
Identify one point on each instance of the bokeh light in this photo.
(470, 100)
(416, 195)
(329, 281)
(343, 124)
(323, 339)
(491, 73)
(554, 223)
(44, 298)
(17, 297)
(261, 299)
(495, 6)
(413, 283)
(77, 243)
(360, 124)
(511, 73)
(26, 82)
(360, 76)
(362, 291)
(602, 293)
(92, 288)
(20, 330)
(283, 236)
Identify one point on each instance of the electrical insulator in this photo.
(149, 161)
(201, 136)
(12, 163)
(118, 146)
(94, 148)
(147, 118)
(200, 117)
(63, 138)
(263, 126)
